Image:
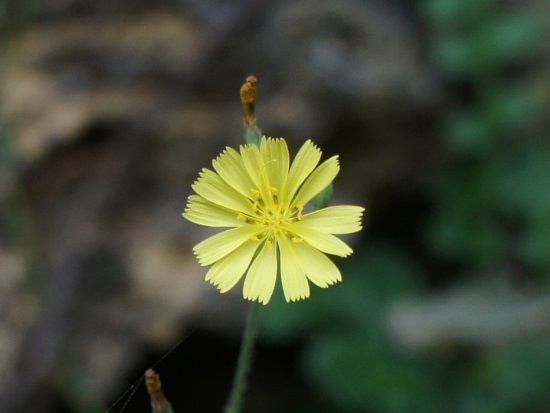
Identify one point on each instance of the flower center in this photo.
(274, 217)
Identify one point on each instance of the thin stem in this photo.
(245, 361)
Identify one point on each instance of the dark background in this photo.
(439, 112)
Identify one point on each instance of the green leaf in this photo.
(360, 372)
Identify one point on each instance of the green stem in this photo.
(245, 360)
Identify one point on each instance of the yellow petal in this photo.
(203, 212)
(226, 272)
(322, 241)
(317, 266)
(253, 162)
(306, 160)
(262, 274)
(255, 166)
(218, 246)
(275, 156)
(230, 166)
(211, 187)
(342, 219)
(293, 277)
(319, 179)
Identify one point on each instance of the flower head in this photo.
(261, 197)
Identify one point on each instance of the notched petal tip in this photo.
(254, 298)
(311, 144)
(297, 298)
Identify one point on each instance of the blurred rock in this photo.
(468, 318)
(363, 53)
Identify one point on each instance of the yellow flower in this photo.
(257, 194)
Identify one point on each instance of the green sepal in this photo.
(253, 135)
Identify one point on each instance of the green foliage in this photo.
(483, 215)
(348, 357)
(354, 367)
(372, 277)
(362, 371)
(510, 379)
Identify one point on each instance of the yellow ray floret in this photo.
(260, 197)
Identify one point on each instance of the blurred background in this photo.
(439, 110)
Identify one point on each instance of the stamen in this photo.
(242, 217)
(297, 239)
(300, 208)
(255, 193)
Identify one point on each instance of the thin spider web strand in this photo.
(133, 387)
